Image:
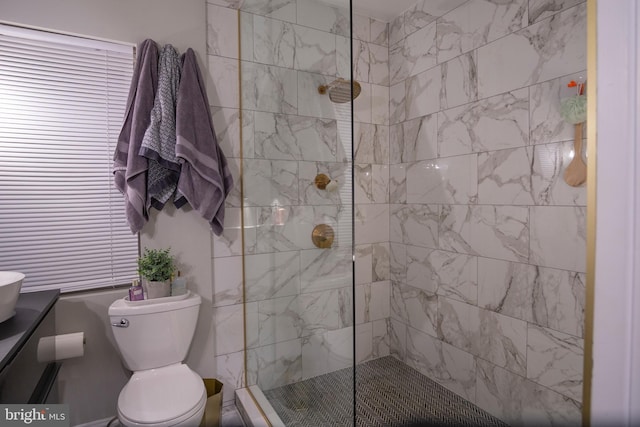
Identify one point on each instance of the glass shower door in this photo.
(298, 207)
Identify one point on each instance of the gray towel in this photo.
(159, 143)
(205, 179)
(130, 169)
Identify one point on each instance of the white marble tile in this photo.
(222, 31)
(362, 105)
(413, 55)
(555, 360)
(546, 50)
(504, 177)
(325, 311)
(380, 338)
(361, 60)
(380, 183)
(397, 184)
(449, 366)
(246, 36)
(558, 237)
(372, 223)
(542, 296)
(396, 30)
(267, 88)
(227, 281)
(275, 365)
(455, 275)
(223, 73)
(280, 319)
(272, 275)
(542, 9)
(492, 231)
(490, 124)
(233, 198)
(459, 81)
(415, 224)
(270, 182)
(323, 269)
(361, 27)
(519, 401)
(397, 103)
(379, 32)
(273, 42)
(284, 10)
(426, 11)
(230, 371)
(327, 352)
(226, 125)
(416, 139)
(380, 105)
(423, 93)
(378, 65)
(547, 180)
(397, 339)
(420, 273)
(499, 339)
(371, 144)
(364, 342)
(233, 4)
(547, 124)
(323, 17)
(362, 177)
(363, 264)
(444, 180)
(398, 262)
(476, 23)
(248, 134)
(291, 137)
(415, 307)
(229, 321)
(230, 242)
(315, 51)
(372, 301)
(343, 58)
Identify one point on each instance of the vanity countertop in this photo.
(31, 308)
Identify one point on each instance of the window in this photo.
(62, 102)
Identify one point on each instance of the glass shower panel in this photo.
(297, 202)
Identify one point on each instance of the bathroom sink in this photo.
(10, 284)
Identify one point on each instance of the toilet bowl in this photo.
(153, 337)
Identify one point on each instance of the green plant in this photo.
(156, 265)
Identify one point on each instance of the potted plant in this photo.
(156, 266)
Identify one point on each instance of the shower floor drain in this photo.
(388, 394)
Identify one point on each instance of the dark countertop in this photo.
(31, 308)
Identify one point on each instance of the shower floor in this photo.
(388, 393)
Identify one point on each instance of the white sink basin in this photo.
(10, 284)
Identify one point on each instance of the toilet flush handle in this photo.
(124, 323)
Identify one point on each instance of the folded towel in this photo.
(205, 179)
(159, 142)
(130, 169)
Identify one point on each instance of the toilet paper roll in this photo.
(60, 347)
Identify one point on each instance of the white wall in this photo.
(90, 385)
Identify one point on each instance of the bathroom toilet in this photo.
(153, 337)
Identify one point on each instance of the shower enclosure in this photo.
(410, 249)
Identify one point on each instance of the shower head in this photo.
(340, 90)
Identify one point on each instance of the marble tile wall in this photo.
(299, 320)
(487, 242)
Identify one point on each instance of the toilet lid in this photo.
(162, 394)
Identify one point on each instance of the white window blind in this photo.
(62, 103)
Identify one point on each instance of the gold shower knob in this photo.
(322, 236)
(321, 181)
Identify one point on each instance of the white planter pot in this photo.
(158, 289)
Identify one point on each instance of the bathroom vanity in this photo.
(23, 379)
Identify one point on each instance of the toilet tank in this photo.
(156, 332)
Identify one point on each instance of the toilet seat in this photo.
(160, 397)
